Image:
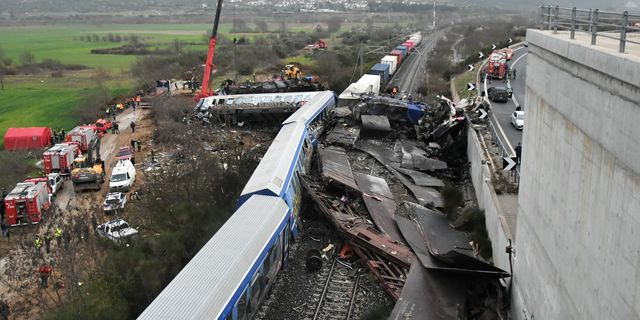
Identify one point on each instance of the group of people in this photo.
(57, 136)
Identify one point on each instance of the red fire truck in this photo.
(59, 158)
(26, 202)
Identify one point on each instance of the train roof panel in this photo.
(312, 108)
(276, 167)
(206, 284)
(261, 97)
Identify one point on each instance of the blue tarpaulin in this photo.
(414, 112)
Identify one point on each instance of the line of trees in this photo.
(110, 37)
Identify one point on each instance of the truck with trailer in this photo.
(26, 203)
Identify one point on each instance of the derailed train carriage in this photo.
(231, 275)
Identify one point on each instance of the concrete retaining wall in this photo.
(579, 219)
(497, 227)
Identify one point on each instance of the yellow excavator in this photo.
(291, 72)
(88, 172)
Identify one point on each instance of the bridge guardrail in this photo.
(612, 25)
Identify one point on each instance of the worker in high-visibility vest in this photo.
(37, 243)
(58, 235)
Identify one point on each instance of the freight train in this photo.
(231, 275)
(391, 62)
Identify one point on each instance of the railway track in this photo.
(414, 66)
(336, 298)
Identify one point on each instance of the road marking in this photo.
(513, 65)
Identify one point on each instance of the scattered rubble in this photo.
(382, 195)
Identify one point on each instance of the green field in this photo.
(40, 100)
(45, 101)
(57, 42)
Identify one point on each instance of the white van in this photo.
(122, 176)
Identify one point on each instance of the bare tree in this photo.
(334, 24)
(27, 58)
(262, 26)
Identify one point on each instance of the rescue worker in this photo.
(514, 73)
(138, 100)
(394, 91)
(116, 128)
(133, 126)
(57, 234)
(45, 271)
(47, 243)
(37, 244)
(518, 150)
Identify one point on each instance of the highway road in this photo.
(412, 71)
(503, 111)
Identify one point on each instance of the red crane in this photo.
(205, 91)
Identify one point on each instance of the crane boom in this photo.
(205, 91)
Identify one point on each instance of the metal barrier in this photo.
(612, 25)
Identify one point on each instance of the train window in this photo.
(257, 285)
(286, 236)
(229, 101)
(242, 306)
(277, 99)
(289, 98)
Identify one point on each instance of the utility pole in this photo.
(434, 14)
(235, 56)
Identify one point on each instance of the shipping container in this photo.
(392, 61)
(409, 45)
(398, 54)
(26, 202)
(59, 158)
(416, 39)
(413, 44)
(367, 84)
(383, 71)
(403, 49)
(83, 136)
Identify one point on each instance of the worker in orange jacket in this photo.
(45, 271)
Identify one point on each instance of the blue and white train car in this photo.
(289, 154)
(276, 173)
(232, 273)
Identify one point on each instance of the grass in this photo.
(57, 42)
(33, 101)
(461, 81)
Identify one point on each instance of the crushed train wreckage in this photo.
(419, 258)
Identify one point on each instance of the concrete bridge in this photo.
(577, 254)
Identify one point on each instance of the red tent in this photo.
(27, 138)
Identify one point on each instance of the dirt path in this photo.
(77, 215)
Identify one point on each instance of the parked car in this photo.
(126, 153)
(114, 202)
(103, 125)
(122, 177)
(517, 119)
(498, 94)
(117, 230)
